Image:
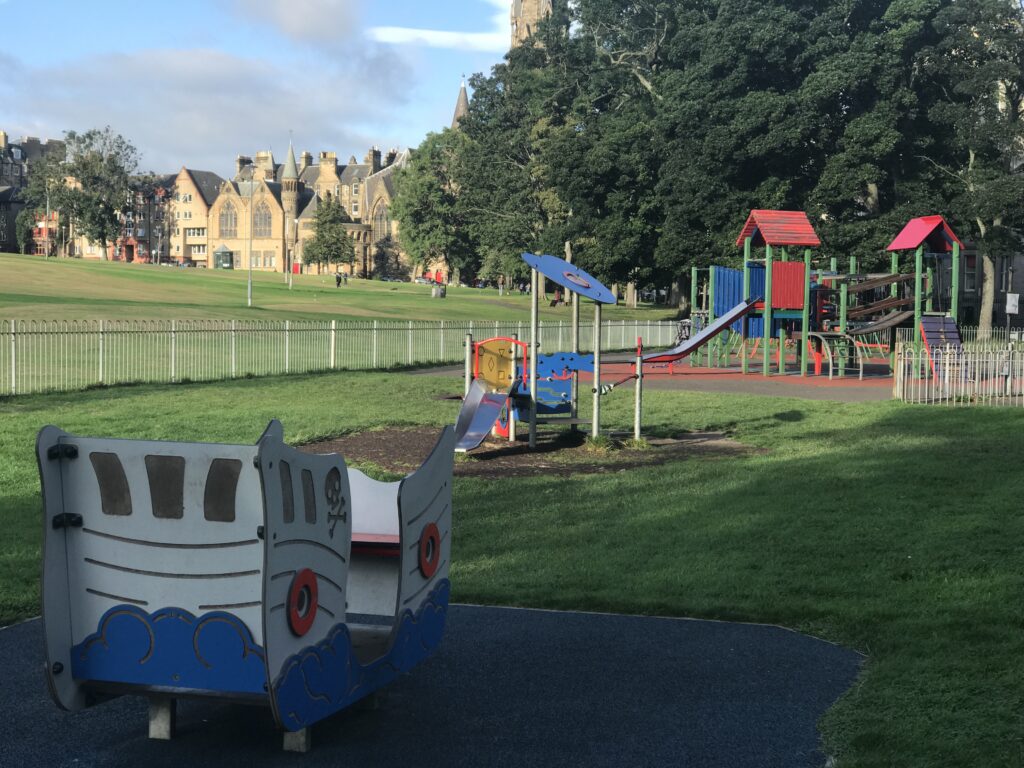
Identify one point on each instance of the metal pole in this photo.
(287, 346)
(534, 312)
(469, 363)
(509, 405)
(233, 357)
(574, 400)
(334, 330)
(410, 342)
(928, 304)
(711, 314)
(101, 352)
(638, 405)
(596, 427)
(174, 350)
(14, 356)
(375, 345)
(249, 295)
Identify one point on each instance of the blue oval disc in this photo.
(570, 277)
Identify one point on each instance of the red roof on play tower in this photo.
(779, 228)
(932, 230)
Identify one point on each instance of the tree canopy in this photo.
(644, 132)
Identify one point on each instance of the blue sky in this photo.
(197, 82)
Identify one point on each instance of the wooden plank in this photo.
(878, 307)
(879, 282)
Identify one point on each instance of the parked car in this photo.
(423, 281)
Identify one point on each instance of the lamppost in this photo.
(251, 188)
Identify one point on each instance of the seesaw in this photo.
(253, 574)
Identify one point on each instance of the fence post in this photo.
(14, 356)
(469, 363)
(174, 350)
(441, 356)
(334, 331)
(374, 366)
(287, 345)
(410, 342)
(102, 335)
(233, 363)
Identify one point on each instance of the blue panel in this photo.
(327, 677)
(215, 652)
(729, 293)
(570, 277)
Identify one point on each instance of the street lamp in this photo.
(251, 185)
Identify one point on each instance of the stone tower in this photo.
(290, 203)
(525, 16)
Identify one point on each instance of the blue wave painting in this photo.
(172, 648)
(325, 678)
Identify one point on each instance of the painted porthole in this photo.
(430, 550)
(302, 602)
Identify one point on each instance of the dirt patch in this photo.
(562, 453)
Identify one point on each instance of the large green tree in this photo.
(331, 243)
(433, 224)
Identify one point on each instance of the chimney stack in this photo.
(373, 159)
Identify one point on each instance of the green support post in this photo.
(711, 313)
(954, 299)
(918, 267)
(833, 265)
(693, 309)
(785, 254)
(844, 294)
(805, 317)
(853, 265)
(894, 268)
(745, 322)
(928, 302)
(767, 335)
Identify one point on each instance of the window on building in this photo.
(970, 273)
(355, 207)
(261, 220)
(381, 222)
(228, 220)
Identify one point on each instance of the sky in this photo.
(196, 82)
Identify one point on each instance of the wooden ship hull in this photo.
(257, 574)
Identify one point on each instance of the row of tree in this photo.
(91, 185)
(642, 133)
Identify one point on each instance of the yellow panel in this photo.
(495, 364)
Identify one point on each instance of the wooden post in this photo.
(711, 313)
(918, 266)
(928, 302)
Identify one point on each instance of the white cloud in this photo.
(495, 41)
(202, 107)
(320, 22)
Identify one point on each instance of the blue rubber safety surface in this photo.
(508, 687)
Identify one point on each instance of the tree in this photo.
(24, 222)
(977, 71)
(387, 261)
(434, 226)
(331, 242)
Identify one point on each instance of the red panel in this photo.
(932, 230)
(787, 284)
(779, 228)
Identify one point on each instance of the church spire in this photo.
(461, 106)
(291, 170)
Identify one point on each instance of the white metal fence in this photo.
(42, 356)
(999, 337)
(960, 377)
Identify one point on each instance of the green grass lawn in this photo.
(892, 529)
(33, 288)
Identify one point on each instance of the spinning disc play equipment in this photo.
(579, 283)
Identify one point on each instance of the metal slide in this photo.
(480, 410)
(690, 346)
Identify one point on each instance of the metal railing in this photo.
(959, 377)
(45, 356)
(998, 337)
